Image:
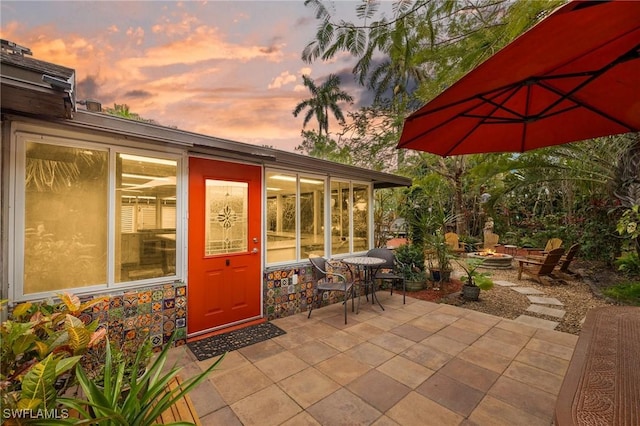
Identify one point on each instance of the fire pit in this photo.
(492, 260)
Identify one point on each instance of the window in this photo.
(94, 216)
(146, 200)
(65, 220)
(340, 217)
(360, 213)
(226, 217)
(311, 216)
(297, 220)
(281, 217)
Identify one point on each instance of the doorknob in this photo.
(255, 240)
(254, 251)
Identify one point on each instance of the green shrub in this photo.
(411, 260)
(627, 293)
(628, 264)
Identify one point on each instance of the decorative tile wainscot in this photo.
(157, 311)
(288, 290)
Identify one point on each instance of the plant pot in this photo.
(415, 285)
(470, 292)
(438, 275)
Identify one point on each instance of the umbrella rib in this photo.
(462, 114)
(525, 121)
(579, 103)
(478, 124)
(482, 96)
(505, 120)
(632, 54)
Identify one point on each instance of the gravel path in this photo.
(575, 294)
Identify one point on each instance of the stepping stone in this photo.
(545, 300)
(537, 322)
(505, 283)
(543, 310)
(527, 290)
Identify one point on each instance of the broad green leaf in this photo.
(21, 309)
(23, 344)
(29, 404)
(71, 321)
(66, 364)
(38, 382)
(79, 339)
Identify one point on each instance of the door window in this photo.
(226, 209)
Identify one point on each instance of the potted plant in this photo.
(473, 280)
(411, 262)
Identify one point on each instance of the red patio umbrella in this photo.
(573, 76)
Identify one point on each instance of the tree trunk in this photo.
(461, 223)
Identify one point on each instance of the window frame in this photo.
(17, 193)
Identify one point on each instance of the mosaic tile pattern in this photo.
(289, 290)
(160, 310)
(156, 311)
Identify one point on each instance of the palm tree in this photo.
(323, 99)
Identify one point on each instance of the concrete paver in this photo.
(527, 290)
(545, 300)
(505, 283)
(543, 310)
(537, 322)
(419, 363)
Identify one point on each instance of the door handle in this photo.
(254, 251)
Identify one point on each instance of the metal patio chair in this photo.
(324, 280)
(389, 271)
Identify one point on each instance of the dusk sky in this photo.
(230, 69)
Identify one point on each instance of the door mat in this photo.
(226, 342)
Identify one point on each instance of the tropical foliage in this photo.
(133, 400)
(406, 53)
(472, 276)
(324, 98)
(38, 346)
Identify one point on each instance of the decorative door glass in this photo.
(226, 210)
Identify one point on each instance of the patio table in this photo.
(369, 265)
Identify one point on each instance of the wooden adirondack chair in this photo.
(565, 261)
(453, 241)
(491, 241)
(539, 268)
(552, 243)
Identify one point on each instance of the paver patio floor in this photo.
(416, 364)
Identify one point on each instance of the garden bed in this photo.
(577, 295)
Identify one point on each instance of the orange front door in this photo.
(224, 244)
